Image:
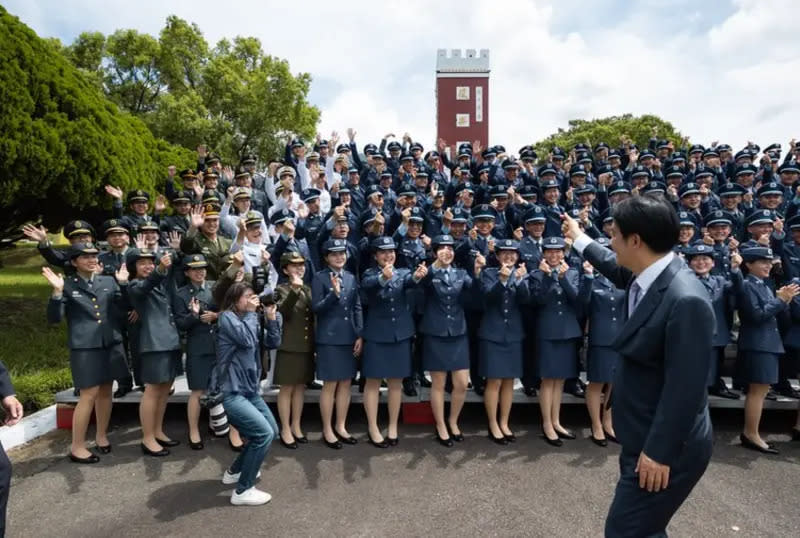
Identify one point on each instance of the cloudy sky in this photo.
(720, 69)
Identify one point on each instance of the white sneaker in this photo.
(229, 478)
(250, 497)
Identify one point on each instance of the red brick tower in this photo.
(462, 97)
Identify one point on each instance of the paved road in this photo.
(415, 489)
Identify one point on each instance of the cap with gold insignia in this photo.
(195, 261)
(138, 196)
(114, 225)
(81, 249)
(188, 173)
(211, 209)
(210, 173)
(78, 227)
(183, 197)
(286, 171)
(147, 225)
(242, 193)
(251, 217)
(291, 256)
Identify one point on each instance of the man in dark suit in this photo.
(660, 408)
(13, 410)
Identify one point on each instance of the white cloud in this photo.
(726, 72)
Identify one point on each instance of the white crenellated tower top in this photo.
(468, 61)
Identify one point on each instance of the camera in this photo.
(260, 278)
(268, 299)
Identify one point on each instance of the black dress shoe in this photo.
(336, 445)
(409, 387)
(313, 385)
(423, 381)
(795, 434)
(457, 437)
(76, 392)
(479, 388)
(747, 443)
(235, 448)
(565, 435)
(530, 392)
(104, 449)
(301, 440)
(444, 442)
(122, 391)
(511, 438)
(376, 444)
(723, 392)
(92, 458)
(392, 441)
(154, 453)
(499, 440)
(771, 395)
(167, 443)
(196, 446)
(789, 392)
(599, 442)
(346, 440)
(576, 390)
(290, 446)
(610, 437)
(553, 442)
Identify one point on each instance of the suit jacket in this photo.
(604, 304)
(444, 311)
(502, 317)
(758, 311)
(298, 319)
(557, 299)
(94, 314)
(199, 335)
(389, 316)
(152, 299)
(660, 401)
(339, 319)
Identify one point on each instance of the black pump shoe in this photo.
(346, 440)
(511, 438)
(336, 445)
(392, 441)
(301, 440)
(565, 434)
(382, 444)
(92, 458)
(170, 443)
(747, 443)
(196, 446)
(444, 442)
(104, 449)
(499, 440)
(291, 446)
(154, 453)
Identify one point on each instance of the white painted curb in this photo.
(29, 428)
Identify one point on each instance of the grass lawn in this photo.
(33, 351)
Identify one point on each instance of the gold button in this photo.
(96, 306)
(94, 300)
(99, 321)
(98, 314)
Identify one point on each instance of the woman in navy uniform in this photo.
(722, 293)
(336, 302)
(93, 306)
(445, 347)
(388, 330)
(150, 293)
(603, 303)
(554, 288)
(196, 315)
(504, 290)
(759, 340)
(294, 362)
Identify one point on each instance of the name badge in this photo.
(76, 293)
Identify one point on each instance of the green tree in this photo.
(611, 130)
(62, 139)
(233, 97)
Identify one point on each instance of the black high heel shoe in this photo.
(104, 449)
(301, 440)
(552, 442)
(92, 458)
(154, 453)
(444, 442)
(457, 437)
(346, 440)
(392, 441)
(336, 445)
(235, 448)
(290, 446)
(599, 442)
(381, 444)
(166, 443)
(196, 446)
(747, 443)
(610, 437)
(511, 438)
(499, 440)
(795, 434)
(565, 435)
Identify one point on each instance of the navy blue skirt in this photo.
(198, 370)
(600, 364)
(760, 367)
(558, 359)
(160, 366)
(445, 353)
(97, 366)
(386, 360)
(500, 360)
(335, 363)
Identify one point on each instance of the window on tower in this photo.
(462, 120)
(462, 93)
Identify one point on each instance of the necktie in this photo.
(635, 294)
